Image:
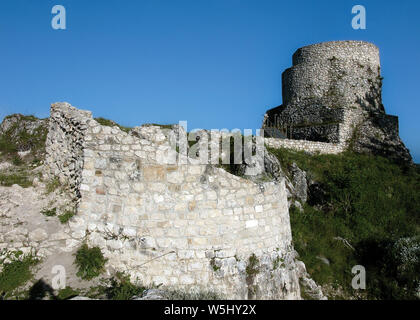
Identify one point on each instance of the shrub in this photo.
(121, 288)
(67, 293)
(371, 202)
(252, 267)
(90, 262)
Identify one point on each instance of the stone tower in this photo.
(332, 93)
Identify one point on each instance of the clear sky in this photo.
(215, 63)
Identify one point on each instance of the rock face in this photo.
(26, 123)
(164, 218)
(333, 94)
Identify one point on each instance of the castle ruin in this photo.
(192, 225)
(184, 225)
(333, 95)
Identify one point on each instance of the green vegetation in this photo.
(252, 267)
(19, 176)
(110, 123)
(90, 262)
(52, 185)
(192, 295)
(118, 287)
(66, 216)
(278, 262)
(363, 206)
(121, 288)
(162, 126)
(15, 272)
(17, 138)
(213, 264)
(49, 212)
(67, 293)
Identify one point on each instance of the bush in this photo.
(90, 262)
(371, 202)
(67, 293)
(121, 288)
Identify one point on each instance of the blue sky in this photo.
(216, 64)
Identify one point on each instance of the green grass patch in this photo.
(17, 138)
(121, 288)
(371, 202)
(20, 177)
(52, 185)
(67, 293)
(252, 267)
(110, 123)
(49, 212)
(162, 126)
(90, 262)
(15, 273)
(66, 216)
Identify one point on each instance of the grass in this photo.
(118, 287)
(15, 273)
(20, 177)
(371, 202)
(162, 126)
(49, 212)
(66, 216)
(52, 185)
(110, 123)
(121, 288)
(90, 262)
(252, 267)
(192, 295)
(16, 139)
(278, 262)
(67, 293)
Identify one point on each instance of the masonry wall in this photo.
(305, 145)
(64, 146)
(336, 73)
(182, 226)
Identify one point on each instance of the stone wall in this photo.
(182, 226)
(305, 145)
(335, 73)
(64, 145)
(333, 93)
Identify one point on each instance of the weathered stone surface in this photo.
(157, 220)
(299, 182)
(332, 100)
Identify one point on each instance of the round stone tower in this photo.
(333, 93)
(335, 74)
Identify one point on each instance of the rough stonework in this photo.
(333, 95)
(180, 225)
